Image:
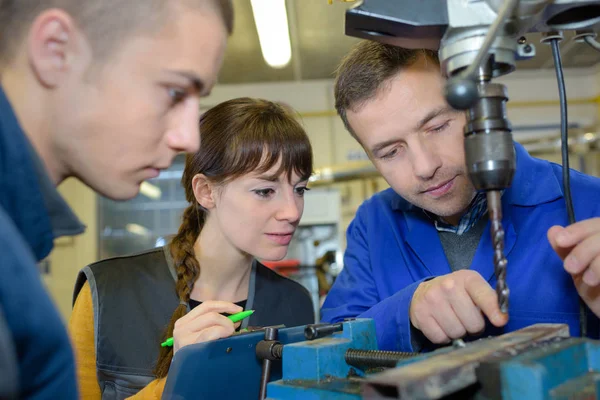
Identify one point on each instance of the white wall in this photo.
(529, 91)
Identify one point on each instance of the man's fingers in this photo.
(590, 294)
(591, 276)
(448, 321)
(583, 254)
(575, 233)
(485, 298)
(553, 232)
(468, 313)
(433, 332)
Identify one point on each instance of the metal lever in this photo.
(268, 350)
(461, 90)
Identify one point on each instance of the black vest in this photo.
(134, 298)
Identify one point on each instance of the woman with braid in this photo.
(245, 191)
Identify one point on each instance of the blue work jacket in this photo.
(392, 246)
(41, 363)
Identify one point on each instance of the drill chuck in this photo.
(489, 149)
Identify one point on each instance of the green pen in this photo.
(233, 317)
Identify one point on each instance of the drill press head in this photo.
(458, 29)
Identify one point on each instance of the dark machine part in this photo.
(268, 350)
(366, 359)
(316, 331)
(406, 23)
(422, 24)
(491, 163)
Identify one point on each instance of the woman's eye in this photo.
(301, 190)
(264, 192)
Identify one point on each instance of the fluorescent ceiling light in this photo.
(150, 190)
(137, 229)
(270, 17)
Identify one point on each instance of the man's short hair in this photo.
(105, 22)
(366, 70)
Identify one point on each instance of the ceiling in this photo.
(319, 43)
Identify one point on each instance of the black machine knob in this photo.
(461, 93)
(312, 332)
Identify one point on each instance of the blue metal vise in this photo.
(540, 362)
(230, 369)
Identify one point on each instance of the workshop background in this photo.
(309, 55)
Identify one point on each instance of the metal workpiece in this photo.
(500, 262)
(438, 375)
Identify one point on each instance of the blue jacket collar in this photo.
(531, 175)
(26, 193)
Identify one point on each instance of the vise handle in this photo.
(316, 331)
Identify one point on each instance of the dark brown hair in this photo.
(105, 22)
(237, 137)
(368, 68)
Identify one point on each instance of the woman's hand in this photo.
(205, 323)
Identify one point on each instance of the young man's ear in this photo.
(204, 191)
(52, 46)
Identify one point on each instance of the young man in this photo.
(419, 255)
(104, 91)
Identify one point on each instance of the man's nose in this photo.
(184, 132)
(426, 160)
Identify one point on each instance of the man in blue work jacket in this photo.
(106, 91)
(419, 255)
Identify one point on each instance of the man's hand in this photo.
(578, 245)
(449, 306)
(204, 323)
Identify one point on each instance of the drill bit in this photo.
(495, 212)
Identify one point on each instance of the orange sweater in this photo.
(81, 327)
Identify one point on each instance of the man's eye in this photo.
(177, 95)
(389, 154)
(441, 127)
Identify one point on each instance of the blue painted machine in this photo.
(340, 361)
